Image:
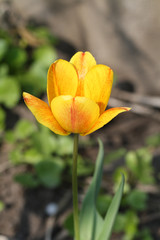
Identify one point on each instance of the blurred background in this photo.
(35, 164)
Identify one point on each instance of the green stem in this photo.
(75, 188)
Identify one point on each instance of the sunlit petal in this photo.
(98, 84)
(75, 115)
(43, 113)
(62, 79)
(83, 62)
(106, 117)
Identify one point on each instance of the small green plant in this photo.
(23, 66)
(153, 141)
(137, 169)
(37, 147)
(139, 163)
(2, 206)
(2, 119)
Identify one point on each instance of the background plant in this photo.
(138, 171)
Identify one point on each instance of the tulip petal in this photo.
(83, 62)
(76, 115)
(98, 84)
(62, 79)
(106, 117)
(43, 113)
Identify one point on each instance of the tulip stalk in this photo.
(75, 188)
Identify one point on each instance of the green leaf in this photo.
(69, 225)
(9, 91)
(5, 36)
(16, 156)
(114, 155)
(2, 119)
(137, 200)
(103, 202)
(45, 55)
(16, 57)
(131, 225)
(84, 168)
(90, 220)
(3, 48)
(3, 70)
(64, 146)
(44, 141)
(115, 79)
(120, 223)
(9, 136)
(24, 129)
(32, 156)
(34, 80)
(27, 180)
(117, 179)
(132, 162)
(128, 224)
(44, 34)
(49, 172)
(2, 206)
(112, 213)
(145, 234)
(139, 163)
(153, 141)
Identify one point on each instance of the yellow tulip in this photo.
(78, 93)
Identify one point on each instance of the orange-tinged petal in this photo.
(106, 117)
(62, 79)
(75, 114)
(83, 62)
(43, 113)
(98, 84)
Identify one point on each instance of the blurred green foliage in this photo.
(139, 163)
(2, 206)
(24, 67)
(2, 119)
(138, 169)
(153, 141)
(47, 154)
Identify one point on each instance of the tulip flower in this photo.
(78, 93)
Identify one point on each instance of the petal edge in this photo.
(106, 117)
(43, 113)
(98, 84)
(62, 79)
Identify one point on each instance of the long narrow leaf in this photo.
(90, 220)
(112, 213)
